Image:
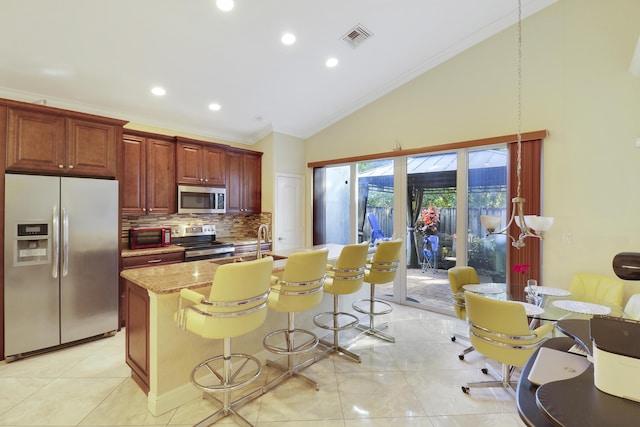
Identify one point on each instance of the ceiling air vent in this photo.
(356, 36)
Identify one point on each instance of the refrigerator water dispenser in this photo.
(32, 245)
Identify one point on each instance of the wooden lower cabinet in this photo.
(134, 314)
(137, 334)
(143, 261)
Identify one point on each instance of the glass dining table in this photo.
(548, 303)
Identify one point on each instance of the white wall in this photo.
(282, 154)
(575, 84)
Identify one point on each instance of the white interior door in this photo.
(288, 230)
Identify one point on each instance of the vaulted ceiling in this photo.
(104, 57)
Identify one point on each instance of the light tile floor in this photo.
(413, 382)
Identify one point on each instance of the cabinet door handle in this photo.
(154, 261)
(70, 166)
(61, 166)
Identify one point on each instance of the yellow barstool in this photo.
(237, 305)
(299, 289)
(381, 270)
(344, 278)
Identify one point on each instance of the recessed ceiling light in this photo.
(288, 39)
(332, 62)
(158, 91)
(214, 107)
(224, 5)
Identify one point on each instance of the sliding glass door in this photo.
(335, 218)
(446, 193)
(487, 195)
(375, 208)
(432, 212)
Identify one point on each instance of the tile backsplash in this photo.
(228, 226)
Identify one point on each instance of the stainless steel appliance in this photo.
(193, 199)
(149, 237)
(200, 242)
(61, 261)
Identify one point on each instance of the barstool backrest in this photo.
(302, 282)
(385, 263)
(348, 274)
(237, 302)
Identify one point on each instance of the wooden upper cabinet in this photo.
(48, 140)
(133, 182)
(201, 163)
(35, 141)
(189, 163)
(244, 181)
(161, 176)
(91, 148)
(148, 183)
(214, 161)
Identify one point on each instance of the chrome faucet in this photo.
(263, 233)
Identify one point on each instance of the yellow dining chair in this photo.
(236, 305)
(595, 288)
(500, 330)
(299, 289)
(382, 269)
(458, 277)
(632, 307)
(344, 278)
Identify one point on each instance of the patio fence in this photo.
(446, 227)
(481, 256)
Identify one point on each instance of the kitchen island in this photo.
(161, 356)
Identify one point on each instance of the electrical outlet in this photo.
(567, 238)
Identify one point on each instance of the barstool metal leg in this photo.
(226, 385)
(335, 347)
(291, 369)
(371, 329)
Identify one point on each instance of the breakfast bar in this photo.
(161, 356)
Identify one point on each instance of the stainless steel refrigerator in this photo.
(61, 261)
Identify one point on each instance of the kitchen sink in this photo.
(228, 260)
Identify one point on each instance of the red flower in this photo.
(521, 268)
(428, 220)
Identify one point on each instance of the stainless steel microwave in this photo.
(193, 199)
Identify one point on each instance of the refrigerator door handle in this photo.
(56, 242)
(65, 243)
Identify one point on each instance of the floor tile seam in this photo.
(104, 399)
(30, 395)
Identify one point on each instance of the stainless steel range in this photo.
(200, 242)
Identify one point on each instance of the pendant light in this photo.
(529, 225)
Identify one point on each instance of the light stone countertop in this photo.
(170, 278)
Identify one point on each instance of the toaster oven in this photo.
(149, 237)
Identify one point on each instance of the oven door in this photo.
(208, 253)
(192, 199)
